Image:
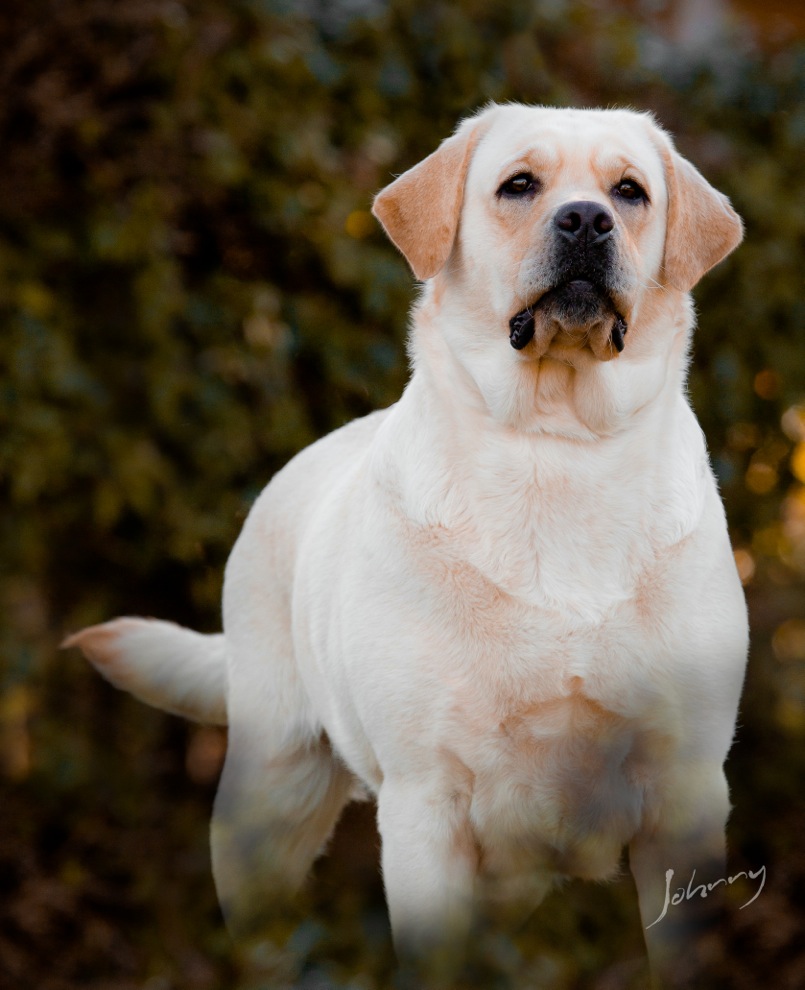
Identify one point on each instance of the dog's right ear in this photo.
(702, 227)
(420, 210)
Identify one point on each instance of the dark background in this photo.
(191, 290)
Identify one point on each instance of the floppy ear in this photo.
(420, 210)
(702, 226)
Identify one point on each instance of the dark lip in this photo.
(521, 325)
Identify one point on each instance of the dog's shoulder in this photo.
(293, 496)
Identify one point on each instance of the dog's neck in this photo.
(580, 398)
(515, 476)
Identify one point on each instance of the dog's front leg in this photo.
(678, 863)
(430, 861)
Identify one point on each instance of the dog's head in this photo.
(558, 225)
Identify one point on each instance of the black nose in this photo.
(584, 221)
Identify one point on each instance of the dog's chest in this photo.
(559, 757)
(558, 785)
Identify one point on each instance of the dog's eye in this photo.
(629, 189)
(522, 184)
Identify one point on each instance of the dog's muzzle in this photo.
(578, 309)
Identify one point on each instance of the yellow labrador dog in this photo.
(506, 606)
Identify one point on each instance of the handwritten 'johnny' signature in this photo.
(702, 889)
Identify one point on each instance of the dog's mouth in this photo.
(575, 313)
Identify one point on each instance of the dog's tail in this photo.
(163, 664)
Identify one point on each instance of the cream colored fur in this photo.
(506, 606)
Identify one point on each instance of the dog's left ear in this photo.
(420, 210)
(702, 226)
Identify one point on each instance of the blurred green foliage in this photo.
(191, 290)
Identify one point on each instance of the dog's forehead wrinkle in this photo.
(537, 157)
(581, 141)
